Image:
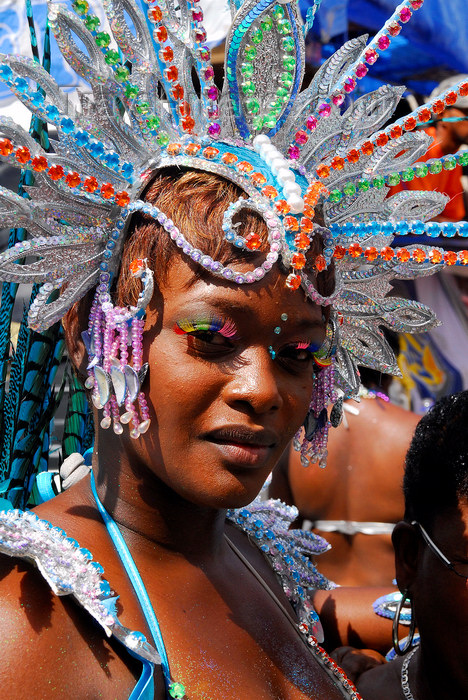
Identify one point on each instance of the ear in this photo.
(74, 322)
(406, 543)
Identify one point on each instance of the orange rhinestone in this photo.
(307, 225)
(192, 149)
(210, 152)
(184, 109)
(463, 257)
(387, 253)
(167, 54)
(161, 33)
(174, 149)
(301, 241)
(419, 255)
(339, 252)
(56, 172)
(355, 250)
(290, 223)
(73, 179)
(136, 266)
(39, 164)
(320, 263)
(338, 163)
(258, 179)
(435, 256)
(450, 257)
(171, 73)
(309, 211)
(270, 192)
(463, 92)
(403, 254)
(282, 207)
(424, 115)
(451, 98)
(156, 14)
(253, 241)
(107, 191)
(367, 148)
(23, 155)
(90, 184)
(381, 140)
(122, 198)
(187, 124)
(396, 131)
(229, 158)
(353, 156)
(438, 106)
(293, 281)
(323, 171)
(6, 147)
(371, 254)
(410, 124)
(244, 166)
(177, 92)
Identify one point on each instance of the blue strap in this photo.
(137, 583)
(144, 689)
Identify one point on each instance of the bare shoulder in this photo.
(381, 682)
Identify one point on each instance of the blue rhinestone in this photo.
(96, 149)
(127, 170)
(52, 112)
(67, 125)
(37, 98)
(104, 588)
(265, 548)
(21, 84)
(104, 266)
(449, 229)
(81, 138)
(86, 553)
(5, 72)
(97, 567)
(419, 227)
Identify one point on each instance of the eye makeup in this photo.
(212, 324)
(311, 347)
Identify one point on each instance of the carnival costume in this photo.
(296, 154)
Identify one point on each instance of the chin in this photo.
(238, 492)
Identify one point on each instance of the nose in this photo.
(255, 383)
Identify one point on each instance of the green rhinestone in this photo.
(394, 179)
(274, 108)
(269, 121)
(176, 690)
(335, 196)
(257, 36)
(250, 52)
(349, 189)
(450, 164)
(435, 168)
(102, 40)
(286, 79)
(289, 62)
(407, 175)
(143, 107)
(282, 92)
(267, 24)
(131, 91)
(284, 26)
(463, 158)
(153, 123)
(112, 57)
(81, 7)
(257, 123)
(421, 169)
(378, 183)
(287, 42)
(92, 23)
(253, 106)
(248, 88)
(247, 69)
(363, 185)
(162, 138)
(121, 74)
(278, 12)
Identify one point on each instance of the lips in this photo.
(243, 446)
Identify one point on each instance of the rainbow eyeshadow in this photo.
(211, 324)
(311, 347)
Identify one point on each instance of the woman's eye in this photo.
(208, 341)
(294, 355)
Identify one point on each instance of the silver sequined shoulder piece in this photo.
(69, 570)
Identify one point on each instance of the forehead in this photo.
(263, 301)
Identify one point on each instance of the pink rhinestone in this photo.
(199, 35)
(394, 29)
(371, 56)
(212, 93)
(361, 70)
(204, 53)
(311, 123)
(294, 152)
(301, 137)
(209, 73)
(350, 84)
(338, 99)
(405, 15)
(214, 129)
(324, 109)
(383, 42)
(213, 112)
(416, 4)
(197, 15)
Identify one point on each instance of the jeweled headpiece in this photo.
(297, 154)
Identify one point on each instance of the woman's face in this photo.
(223, 410)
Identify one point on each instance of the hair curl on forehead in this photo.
(196, 201)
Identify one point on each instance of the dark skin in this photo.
(168, 493)
(439, 669)
(366, 457)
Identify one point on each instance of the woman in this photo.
(431, 547)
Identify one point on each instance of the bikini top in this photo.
(350, 527)
(70, 570)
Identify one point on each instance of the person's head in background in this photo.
(452, 124)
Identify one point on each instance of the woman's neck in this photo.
(431, 679)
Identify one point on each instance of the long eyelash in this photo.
(312, 347)
(212, 324)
